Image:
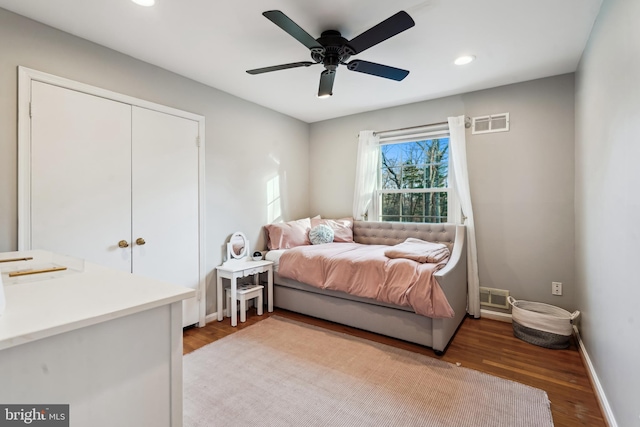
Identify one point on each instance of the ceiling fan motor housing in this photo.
(334, 53)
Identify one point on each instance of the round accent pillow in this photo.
(321, 234)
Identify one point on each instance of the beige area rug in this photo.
(279, 372)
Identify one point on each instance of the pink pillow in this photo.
(287, 235)
(342, 228)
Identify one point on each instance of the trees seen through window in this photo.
(414, 181)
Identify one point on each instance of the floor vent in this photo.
(490, 297)
(492, 123)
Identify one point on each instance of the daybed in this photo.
(383, 318)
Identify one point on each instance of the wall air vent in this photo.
(490, 297)
(489, 124)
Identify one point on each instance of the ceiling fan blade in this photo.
(388, 28)
(326, 83)
(294, 30)
(281, 67)
(377, 70)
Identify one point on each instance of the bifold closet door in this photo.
(80, 175)
(165, 201)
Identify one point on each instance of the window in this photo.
(413, 181)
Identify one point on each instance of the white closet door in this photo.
(80, 175)
(165, 201)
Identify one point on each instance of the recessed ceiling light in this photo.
(144, 2)
(463, 60)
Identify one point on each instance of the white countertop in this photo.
(84, 295)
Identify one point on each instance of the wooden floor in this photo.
(484, 345)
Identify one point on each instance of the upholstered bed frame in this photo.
(391, 320)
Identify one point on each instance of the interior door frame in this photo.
(25, 77)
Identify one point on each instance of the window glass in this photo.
(414, 181)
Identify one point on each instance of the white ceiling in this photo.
(214, 42)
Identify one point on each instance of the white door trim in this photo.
(25, 77)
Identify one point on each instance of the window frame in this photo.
(452, 200)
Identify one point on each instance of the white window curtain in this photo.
(366, 172)
(458, 152)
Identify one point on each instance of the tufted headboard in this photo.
(392, 233)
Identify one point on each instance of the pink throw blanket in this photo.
(365, 271)
(419, 250)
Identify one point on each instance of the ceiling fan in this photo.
(331, 49)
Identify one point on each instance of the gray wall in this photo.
(608, 204)
(246, 145)
(522, 181)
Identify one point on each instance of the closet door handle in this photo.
(140, 241)
(123, 244)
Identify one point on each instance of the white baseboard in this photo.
(496, 315)
(211, 317)
(602, 398)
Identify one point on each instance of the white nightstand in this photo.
(235, 269)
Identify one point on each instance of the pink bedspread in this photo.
(365, 271)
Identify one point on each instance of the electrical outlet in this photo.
(556, 288)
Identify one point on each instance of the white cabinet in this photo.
(111, 350)
(113, 182)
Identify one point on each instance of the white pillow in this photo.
(321, 234)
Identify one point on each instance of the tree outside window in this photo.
(414, 181)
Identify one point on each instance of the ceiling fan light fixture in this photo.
(145, 3)
(464, 60)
